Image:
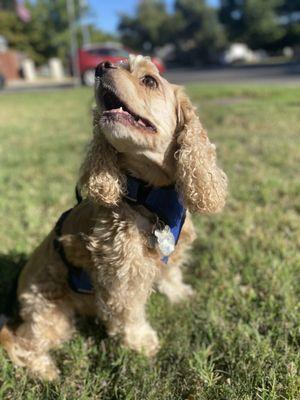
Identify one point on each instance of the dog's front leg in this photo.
(123, 277)
(122, 307)
(170, 281)
(171, 284)
(133, 327)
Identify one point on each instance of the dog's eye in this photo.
(149, 81)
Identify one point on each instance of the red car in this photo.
(90, 56)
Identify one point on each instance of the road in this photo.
(288, 73)
(277, 73)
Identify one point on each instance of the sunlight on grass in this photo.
(239, 337)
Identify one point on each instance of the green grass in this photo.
(239, 337)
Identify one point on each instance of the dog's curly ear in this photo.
(100, 176)
(202, 184)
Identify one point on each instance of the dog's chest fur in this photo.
(113, 236)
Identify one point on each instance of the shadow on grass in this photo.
(10, 267)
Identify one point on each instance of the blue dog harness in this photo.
(164, 202)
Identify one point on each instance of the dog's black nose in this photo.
(104, 67)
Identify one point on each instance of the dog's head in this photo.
(145, 126)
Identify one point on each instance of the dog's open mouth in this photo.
(115, 109)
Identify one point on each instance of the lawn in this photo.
(239, 337)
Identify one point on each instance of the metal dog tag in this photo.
(165, 240)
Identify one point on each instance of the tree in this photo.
(198, 35)
(289, 12)
(98, 36)
(148, 29)
(289, 7)
(46, 34)
(262, 29)
(231, 15)
(13, 30)
(193, 29)
(254, 22)
(48, 30)
(7, 4)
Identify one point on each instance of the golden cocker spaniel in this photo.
(149, 164)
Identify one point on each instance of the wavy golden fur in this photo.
(145, 127)
(100, 173)
(202, 183)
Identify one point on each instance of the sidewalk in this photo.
(38, 84)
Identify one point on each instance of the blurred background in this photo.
(60, 42)
(239, 60)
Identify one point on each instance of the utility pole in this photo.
(86, 37)
(73, 41)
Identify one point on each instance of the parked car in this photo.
(92, 55)
(239, 53)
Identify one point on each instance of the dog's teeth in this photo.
(141, 122)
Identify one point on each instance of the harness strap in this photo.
(163, 202)
(78, 195)
(78, 278)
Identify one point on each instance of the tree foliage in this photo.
(6, 4)
(193, 29)
(148, 28)
(199, 32)
(199, 37)
(13, 30)
(289, 12)
(261, 24)
(267, 24)
(46, 34)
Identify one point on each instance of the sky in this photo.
(104, 13)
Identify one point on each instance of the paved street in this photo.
(277, 73)
(272, 74)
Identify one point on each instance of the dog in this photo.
(149, 165)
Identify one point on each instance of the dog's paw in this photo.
(183, 293)
(45, 369)
(142, 339)
(178, 292)
(51, 374)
